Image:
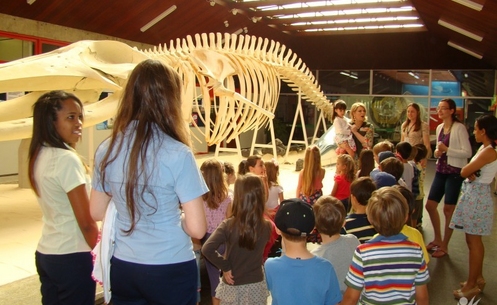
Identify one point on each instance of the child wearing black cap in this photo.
(292, 278)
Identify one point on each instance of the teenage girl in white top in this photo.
(61, 183)
(474, 211)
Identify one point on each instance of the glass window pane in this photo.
(386, 82)
(476, 82)
(12, 49)
(46, 47)
(344, 81)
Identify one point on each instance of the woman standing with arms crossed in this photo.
(148, 169)
(61, 183)
(452, 151)
(474, 212)
(362, 131)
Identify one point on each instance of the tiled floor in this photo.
(20, 229)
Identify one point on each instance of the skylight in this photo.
(338, 15)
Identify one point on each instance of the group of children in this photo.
(378, 208)
(240, 230)
(371, 211)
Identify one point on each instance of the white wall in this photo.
(9, 154)
(8, 157)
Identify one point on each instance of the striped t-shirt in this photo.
(358, 225)
(389, 269)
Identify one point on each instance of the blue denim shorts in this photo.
(448, 185)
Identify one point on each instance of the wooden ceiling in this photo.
(363, 49)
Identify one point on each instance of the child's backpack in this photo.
(415, 181)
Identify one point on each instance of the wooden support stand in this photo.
(273, 140)
(298, 113)
(321, 120)
(237, 149)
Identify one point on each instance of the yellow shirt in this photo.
(414, 236)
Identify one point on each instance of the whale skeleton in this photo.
(237, 78)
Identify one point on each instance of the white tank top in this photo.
(488, 171)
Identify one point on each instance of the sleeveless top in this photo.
(442, 165)
(487, 172)
(216, 216)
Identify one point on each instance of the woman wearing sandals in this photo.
(453, 150)
(474, 210)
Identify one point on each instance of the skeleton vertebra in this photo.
(213, 63)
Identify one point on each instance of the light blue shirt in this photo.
(158, 237)
(307, 281)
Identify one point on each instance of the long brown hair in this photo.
(417, 124)
(248, 209)
(45, 111)
(150, 106)
(311, 170)
(213, 173)
(366, 163)
(272, 172)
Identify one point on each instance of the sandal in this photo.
(432, 246)
(480, 283)
(469, 294)
(439, 253)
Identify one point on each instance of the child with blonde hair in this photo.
(343, 133)
(310, 185)
(244, 235)
(217, 207)
(376, 275)
(381, 147)
(345, 175)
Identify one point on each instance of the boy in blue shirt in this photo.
(299, 277)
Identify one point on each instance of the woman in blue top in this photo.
(147, 168)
